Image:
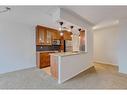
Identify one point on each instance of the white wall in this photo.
(17, 46)
(122, 47)
(105, 45)
(84, 61)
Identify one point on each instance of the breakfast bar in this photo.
(66, 65)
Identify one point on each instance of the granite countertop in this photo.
(68, 53)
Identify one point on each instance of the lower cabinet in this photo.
(42, 59)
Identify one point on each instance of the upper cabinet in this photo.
(55, 35)
(67, 35)
(48, 37)
(40, 36)
(45, 35)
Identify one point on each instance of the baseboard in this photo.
(100, 62)
(122, 71)
(18, 69)
(86, 68)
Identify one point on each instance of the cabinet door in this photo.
(48, 59)
(55, 35)
(48, 37)
(40, 36)
(44, 60)
(67, 35)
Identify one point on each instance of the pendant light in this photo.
(79, 32)
(61, 32)
(71, 30)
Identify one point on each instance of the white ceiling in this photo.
(97, 14)
(42, 14)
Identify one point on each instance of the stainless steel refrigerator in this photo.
(68, 46)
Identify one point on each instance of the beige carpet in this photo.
(100, 77)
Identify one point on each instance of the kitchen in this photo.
(58, 49)
(50, 41)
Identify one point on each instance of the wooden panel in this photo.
(67, 36)
(54, 67)
(38, 60)
(62, 44)
(37, 36)
(44, 60)
(55, 35)
(82, 37)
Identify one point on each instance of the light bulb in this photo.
(61, 34)
(60, 29)
(69, 30)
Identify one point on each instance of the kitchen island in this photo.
(66, 65)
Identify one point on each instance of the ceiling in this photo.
(98, 14)
(34, 15)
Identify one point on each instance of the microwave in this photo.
(56, 42)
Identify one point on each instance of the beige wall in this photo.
(105, 45)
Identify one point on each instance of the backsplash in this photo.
(47, 47)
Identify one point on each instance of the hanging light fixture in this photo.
(4, 9)
(79, 32)
(79, 29)
(61, 32)
(71, 27)
(71, 30)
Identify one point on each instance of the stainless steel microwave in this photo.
(56, 42)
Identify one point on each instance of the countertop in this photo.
(46, 51)
(68, 53)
